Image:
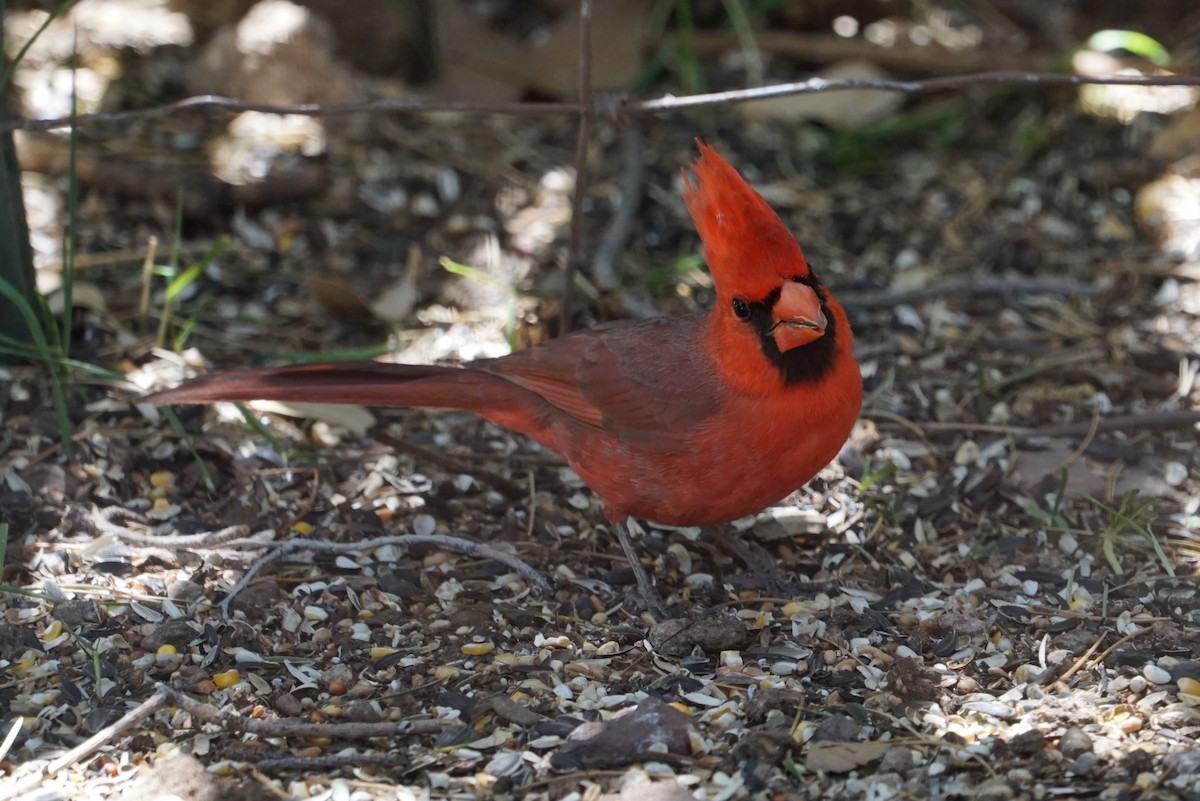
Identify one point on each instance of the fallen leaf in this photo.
(629, 736)
(840, 756)
(398, 298)
(355, 419)
(479, 63)
(336, 297)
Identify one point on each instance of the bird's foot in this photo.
(652, 601)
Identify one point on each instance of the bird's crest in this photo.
(748, 248)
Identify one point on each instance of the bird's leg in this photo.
(650, 596)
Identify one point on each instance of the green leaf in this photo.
(1135, 42)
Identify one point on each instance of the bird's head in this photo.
(767, 296)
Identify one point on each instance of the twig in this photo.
(1079, 663)
(816, 85)
(608, 254)
(532, 513)
(583, 137)
(460, 545)
(884, 298)
(105, 522)
(11, 737)
(147, 277)
(228, 720)
(611, 106)
(1081, 450)
(129, 720)
(1154, 420)
(1082, 660)
(448, 462)
(350, 760)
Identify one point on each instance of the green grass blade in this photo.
(48, 354)
(205, 476)
(72, 228)
(31, 321)
(341, 355)
(63, 8)
(1135, 42)
(172, 270)
(466, 271)
(259, 428)
(58, 380)
(688, 63)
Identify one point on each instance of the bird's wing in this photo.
(641, 380)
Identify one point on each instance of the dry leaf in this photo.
(1179, 139)
(1168, 209)
(837, 756)
(618, 46)
(279, 52)
(1086, 475)
(356, 419)
(83, 296)
(336, 297)
(478, 63)
(398, 298)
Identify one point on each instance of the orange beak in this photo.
(798, 317)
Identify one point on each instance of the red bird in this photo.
(687, 421)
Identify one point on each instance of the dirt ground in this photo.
(991, 593)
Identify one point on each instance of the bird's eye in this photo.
(741, 308)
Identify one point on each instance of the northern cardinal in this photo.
(691, 420)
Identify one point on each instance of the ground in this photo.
(991, 592)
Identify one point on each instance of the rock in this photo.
(836, 728)
(677, 637)
(765, 700)
(177, 633)
(289, 706)
(1074, 743)
(184, 590)
(631, 735)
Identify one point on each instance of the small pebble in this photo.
(993, 709)
(1026, 673)
(424, 205)
(448, 185)
(1156, 675)
(1084, 765)
(968, 453)
(184, 590)
(288, 705)
(994, 790)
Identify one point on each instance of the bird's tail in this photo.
(361, 382)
